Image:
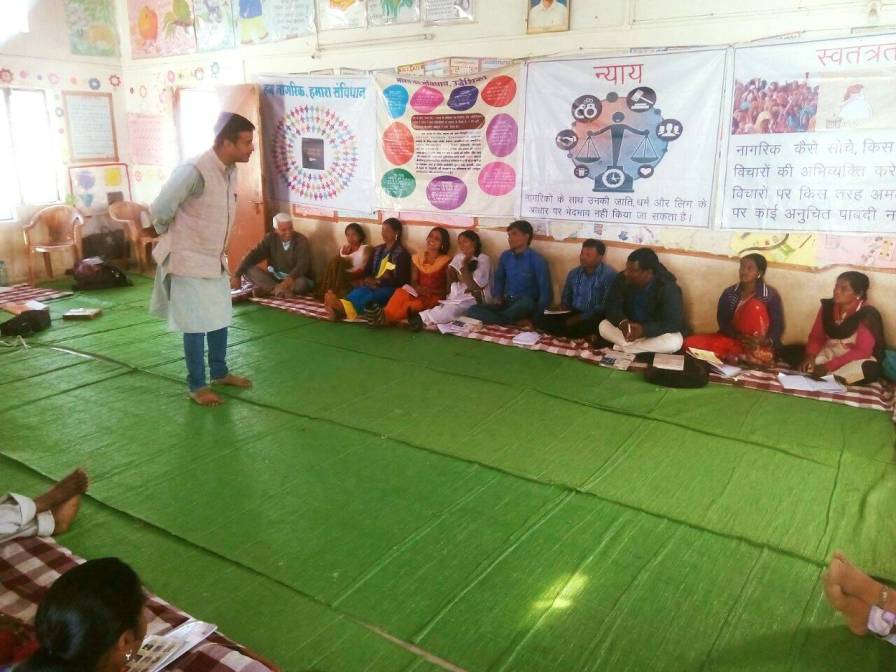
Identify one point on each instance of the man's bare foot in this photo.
(232, 380)
(64, 514)
(855, 611)
(74, 484)
(204, 396)
(853, 581)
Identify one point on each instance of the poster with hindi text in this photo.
(319, 136)
(449, 144)
(625, 140)
(813, 137)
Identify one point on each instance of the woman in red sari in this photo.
(429, 279)
(750, 317)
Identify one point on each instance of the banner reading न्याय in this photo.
(449, 144)
(319, 140)
(624, 140)
(813, 143)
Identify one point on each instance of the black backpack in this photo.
(26, 323)
(94, 273)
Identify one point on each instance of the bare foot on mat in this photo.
(64, 514)
(205, 397)
(232, 380)
(855, 611)
(74, 484)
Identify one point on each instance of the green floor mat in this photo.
(498, 508)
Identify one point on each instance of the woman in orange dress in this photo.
(429, 279)
(750, 317)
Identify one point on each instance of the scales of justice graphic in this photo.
(617, 140)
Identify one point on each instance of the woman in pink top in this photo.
(847, 338)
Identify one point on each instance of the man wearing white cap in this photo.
(287, 257)
(194, 212)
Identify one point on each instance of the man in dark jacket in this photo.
(644, 310)
(288, 258)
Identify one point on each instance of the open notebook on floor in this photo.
(157, 651)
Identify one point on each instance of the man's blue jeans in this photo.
(512, 311)
(194, 353)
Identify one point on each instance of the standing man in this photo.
(194, 213)
(522, 285)
(288, 256)
(644, 308)
(584, 295)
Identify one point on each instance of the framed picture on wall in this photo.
(90, 126)
(547, 16)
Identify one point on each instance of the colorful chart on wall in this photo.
(93, 188)
(161, 27)
(319, 137)
(92, 27)
(813, 143)
(440, 12)
(449, 144)
(91, 128)
(340, 14)
(626, 140)
(273, 20)
(388, 12)
(214, 25)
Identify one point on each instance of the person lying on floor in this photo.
(45, 515)
(644, 309)
(847, 338)
(388, 269)
(91, 620)
(287, 255)
(429, 280)
(346, 270)
(584, 295)
(522, 285)
(866, 604)
(470, 275)
(750, 317)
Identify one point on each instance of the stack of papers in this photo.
(717, 364)
(158, 651)
(669, 362)
(807, 384)
(526, 339)
(617, 360)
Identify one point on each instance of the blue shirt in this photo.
(523, 274)
(586, 294)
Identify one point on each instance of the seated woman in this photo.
(388, 268)
(91, 619)
(847, 338)
(470, 274)
(429, 279)
(750, 317)
(346, 270)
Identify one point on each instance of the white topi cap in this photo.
(282, 217)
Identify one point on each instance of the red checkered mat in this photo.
(29, 566)
(25, 292)
(878, 396)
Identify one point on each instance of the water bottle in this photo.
(4, 278)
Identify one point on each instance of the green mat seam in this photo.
(397, 641)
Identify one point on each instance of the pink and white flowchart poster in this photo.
(450, 144)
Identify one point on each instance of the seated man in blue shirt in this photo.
(644, 309)
(522, 285)
(584, 295)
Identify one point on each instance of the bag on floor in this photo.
(695, 374)
(26, 323)
(94, 273)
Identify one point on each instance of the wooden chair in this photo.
(54, 228)
(127, 213)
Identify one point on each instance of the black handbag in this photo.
(26, 323)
